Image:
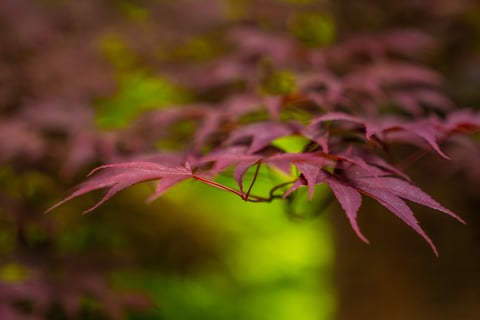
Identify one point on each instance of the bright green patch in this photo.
(314, 29)
(293, 144)
(138, 93)
(13, 272)
(270, 267)
(197, 49)
(116, 51)
(133, 11)
(279, 83)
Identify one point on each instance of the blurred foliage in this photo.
(13, 272)
(132, 10)
(314, 29)
(117, 52)
(197, 49)
(138, 93)
(138, 90)
(199, 253)
(279, 83)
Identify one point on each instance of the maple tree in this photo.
(227, 101)
(348, 114)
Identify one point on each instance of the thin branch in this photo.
(255, 175)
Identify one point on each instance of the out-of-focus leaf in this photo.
(261, 134)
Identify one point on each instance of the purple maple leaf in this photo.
(259, 135)
(389, 191)
(350, 200)
(120, 176)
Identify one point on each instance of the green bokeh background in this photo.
(269, 267)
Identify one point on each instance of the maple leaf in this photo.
(413, 100)
(396, 74)
(408, 42)
(241, 104)
(355, 176)
(425, 129)
(211, 122)
(350, 200)
(347, 195)
(323, 88)
(284, 160)
(260, 134)
(398, 207)
(226, 157)
(311, 173)
(334, 85)
(404, 190)
(337, 116)
(463, 121)
(120, 176)
(253, 42)
(389, 191)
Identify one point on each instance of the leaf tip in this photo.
(47, 211)
(55, 206)
(363, 238)
(359, 234)
(85, 212)
(458, 218)
(435, 251)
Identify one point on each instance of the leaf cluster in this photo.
(351, 104)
